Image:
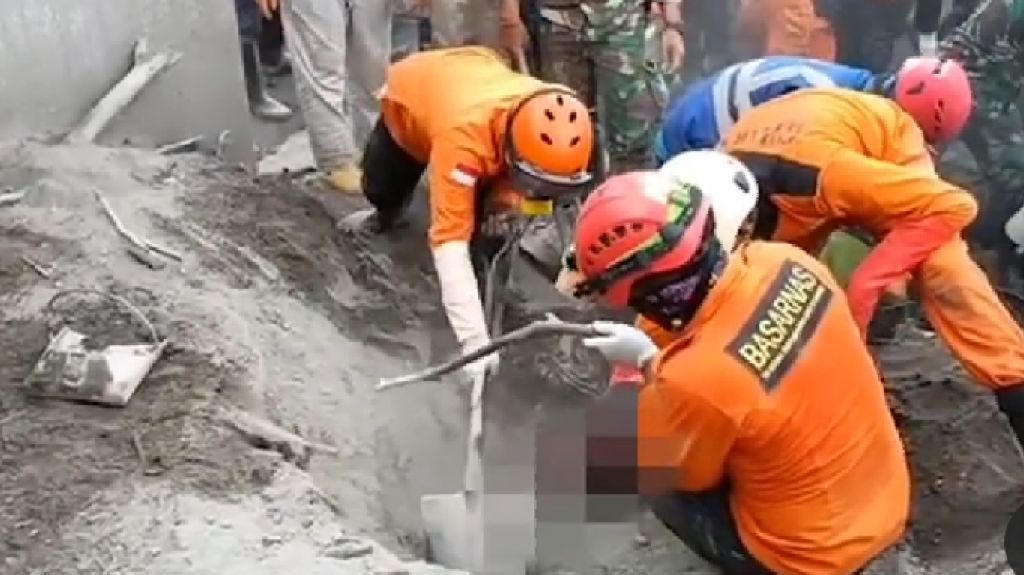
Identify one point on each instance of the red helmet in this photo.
(937, 94)
(638, 224)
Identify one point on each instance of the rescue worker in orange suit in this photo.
(474, 126)
(784, 28)
(826, 159)
(751, 447)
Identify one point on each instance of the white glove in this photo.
(481, 367)
(461, 298)
(622, 343)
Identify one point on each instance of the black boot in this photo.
(261, 104)
(1011, 403)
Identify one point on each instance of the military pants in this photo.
(340, 51)
(995, 137)
(631, 92)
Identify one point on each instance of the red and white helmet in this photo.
(937, 94)
(637, 224)
(725, 181)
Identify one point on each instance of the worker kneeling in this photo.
(764, 438)
(826, 159)
(494, 144)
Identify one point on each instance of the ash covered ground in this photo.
(275, 317)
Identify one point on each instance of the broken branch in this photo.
(11, 198)
(142, 72)
(541, 328)
(180, 147)
(36, 267)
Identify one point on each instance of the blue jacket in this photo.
(706, 111)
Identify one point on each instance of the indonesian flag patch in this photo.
(465, 175)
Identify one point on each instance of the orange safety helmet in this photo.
(550, 142)
(637, 225)
(937, 94)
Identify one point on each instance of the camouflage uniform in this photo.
(990, 45)
(630, 91)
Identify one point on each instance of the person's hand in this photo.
(481, 368)
(673, 50)
(268, 7)
(513, 35)
(622, 343)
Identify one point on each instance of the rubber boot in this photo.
(260, 103)
(1011, 403)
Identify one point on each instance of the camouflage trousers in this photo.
(995, 138)
(631, 92)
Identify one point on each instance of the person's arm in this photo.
(685, 441)
(670, 19)
(790, 26)
(453, 175)
(922, 211)
(672, 14)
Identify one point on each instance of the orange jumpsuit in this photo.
(448, 109)
(785, 28)
(749, 393)
(827, 158)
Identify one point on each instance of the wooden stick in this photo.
(182, 146)
(142, 72)
(118, 225)
(547, 327)
(36, 267)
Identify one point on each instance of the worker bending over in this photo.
(753, 448)
(825, 159)
(708, 109)
(485, 136)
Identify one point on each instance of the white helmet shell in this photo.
(728, 184)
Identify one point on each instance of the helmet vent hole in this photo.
(620, 231)
(572, 117)
(606, 240)
(594, 250)
(916, 90)
(560, 100)
(636, 226)
(575, 140)
(546, 139)
(549, 115)
(741, 182)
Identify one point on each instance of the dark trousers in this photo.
(390, 175)
(704, 522)
(866, 32)
(927, 14)
(390, 178)
(250, 21)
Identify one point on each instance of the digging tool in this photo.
(454, 522)
(531, 331)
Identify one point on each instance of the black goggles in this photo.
(682, 209)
